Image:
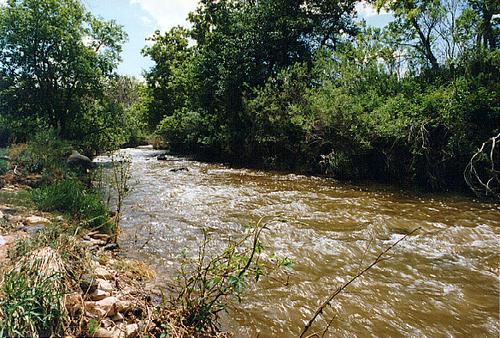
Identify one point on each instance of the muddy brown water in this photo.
(442, 282)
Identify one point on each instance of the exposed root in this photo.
(482, 174)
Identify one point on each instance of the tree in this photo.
(238, 46)
(54, 59)
(170, 52)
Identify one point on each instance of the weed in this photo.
(44, 154)
(114, 183)
(93, 326)
(4, 164)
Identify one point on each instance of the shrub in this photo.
(183, 130)
(207, 283)
(45, 153)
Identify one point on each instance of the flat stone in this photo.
(32, 229)
(105, 285)
(102, 308)
(132, 330)
(103, 273)
(98, 295)
(7, 210)
(37, 220)
(3, 241)
(118, 317)
(102, 237)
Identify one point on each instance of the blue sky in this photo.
(141, 18)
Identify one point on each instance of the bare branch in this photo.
(485, 182)
(379, 259)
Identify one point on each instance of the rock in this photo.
(127, 290)
(94, 311)
(37, 220)
(101, 237)
(102, 308)
(109, 305)
(32, 230)
(175, 170)
(15, 219)
(161, 157)
(111, 247)
(132, 330)
(103, 273)
(98, 295)
(123, 306)
(3, 241)
(1, 215)
(104, 333)
(8, 210)
(104, 285)
(118, 317)
(88, 284)
(92, 241)
(78, 160)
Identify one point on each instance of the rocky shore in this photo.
(106, 295)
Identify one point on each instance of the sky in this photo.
(141, 18)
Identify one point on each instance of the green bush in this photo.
(184, 130)
(70, 197)
(45, 153)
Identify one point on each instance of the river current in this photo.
(441, 282)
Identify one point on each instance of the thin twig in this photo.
(343, 287)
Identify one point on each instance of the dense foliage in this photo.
(303, 85)
(57, 66)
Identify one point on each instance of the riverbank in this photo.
(62, 270)
(93, 291)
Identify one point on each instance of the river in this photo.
(441, 282)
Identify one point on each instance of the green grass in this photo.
(31, 304)
(70, 197)
(20, 198)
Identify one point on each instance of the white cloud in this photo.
(366, 10)
(146, 20)
(167, 13)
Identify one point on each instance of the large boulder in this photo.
(78, 160)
